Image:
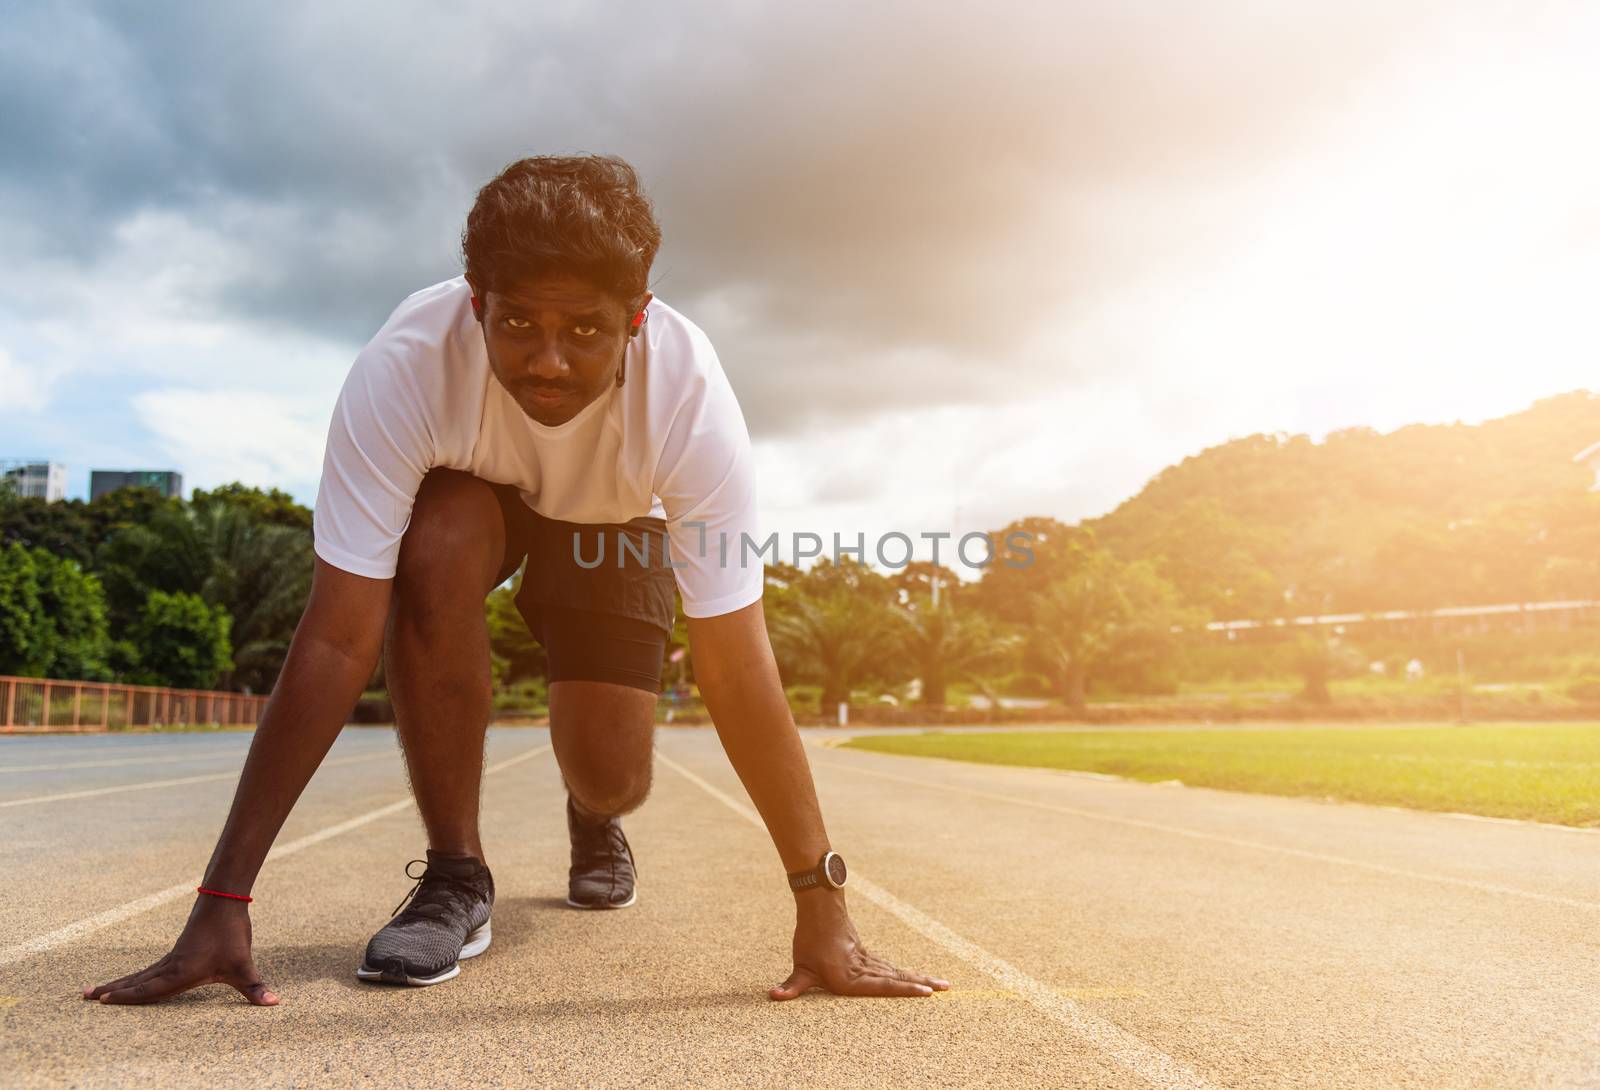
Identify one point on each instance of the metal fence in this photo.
(33, 703)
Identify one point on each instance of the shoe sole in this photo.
(477, 942)
(633, 898)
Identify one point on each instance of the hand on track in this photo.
(828, 954)
(213, 949)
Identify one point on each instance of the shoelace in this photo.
(451, 888)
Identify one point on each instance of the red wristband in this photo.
(229, 896)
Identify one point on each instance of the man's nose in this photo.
(546, 362)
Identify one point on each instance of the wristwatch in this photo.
(829, 873)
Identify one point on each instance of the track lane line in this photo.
(118, 762)
(87, 926)
(1117, 1044)
(1219, 838)
(146, 785)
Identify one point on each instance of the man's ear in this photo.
(478, 300)
(634, 327)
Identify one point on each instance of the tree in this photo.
(1030, 555)
(123, 507)
(231, 550)
(1319, 657)
(260, 572)
(516, 653)
(164, 552)
(75, 612)
(24, 639)
(1098, 613)
(1074, 621)
(947, 643)
(832, 627)
(52, 617)
(271, 506)
(63, 529)
(181, 641)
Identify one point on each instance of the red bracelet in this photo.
(229, 896)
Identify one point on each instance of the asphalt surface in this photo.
(1097, 932)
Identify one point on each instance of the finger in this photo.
(871, 984)
(800, 981)
(938, 984)
(148, 991)
(124, 981)
(252, 987)
(886, 968)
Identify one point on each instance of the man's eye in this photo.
(585, 330)
(519, 323)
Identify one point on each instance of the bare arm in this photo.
(331, 658)
(333, 654)
(738, 679)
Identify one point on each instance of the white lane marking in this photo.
(205, 755)
(88, 741)
(147, 785)
(1218, 838)
(77, 930)
(1122, 1047)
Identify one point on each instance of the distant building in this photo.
(1590, 456)
(165, 481)
(38, 479)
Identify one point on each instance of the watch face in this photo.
(835, 868)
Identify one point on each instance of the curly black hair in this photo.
(580, 215)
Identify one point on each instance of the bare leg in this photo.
(602, 734)
(437, 652)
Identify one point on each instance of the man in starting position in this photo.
(543, 407)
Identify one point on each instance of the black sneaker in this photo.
(602, 874)
(447, 920)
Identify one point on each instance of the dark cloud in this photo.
(866, 205)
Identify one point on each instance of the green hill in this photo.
(1422, 517)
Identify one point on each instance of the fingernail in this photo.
(923, 989)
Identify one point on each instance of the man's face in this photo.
(554, 343)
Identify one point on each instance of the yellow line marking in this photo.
(1116, 1043)
(1068, 993)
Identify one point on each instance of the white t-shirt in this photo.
(670, 442)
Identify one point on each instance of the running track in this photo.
(1097, 933)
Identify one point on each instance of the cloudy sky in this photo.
(961, 267)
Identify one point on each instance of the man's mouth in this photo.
(547, 395)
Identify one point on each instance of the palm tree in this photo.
(1075, 623)
(949, 644)
(835, 638)
(261, 574)
(833, 625)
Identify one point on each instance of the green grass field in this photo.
(1536, 772)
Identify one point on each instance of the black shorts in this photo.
(604, 612)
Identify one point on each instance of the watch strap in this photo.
(815, 877)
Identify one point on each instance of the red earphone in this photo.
(638, 320)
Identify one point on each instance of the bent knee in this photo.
(456, 533)
(610, 794)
